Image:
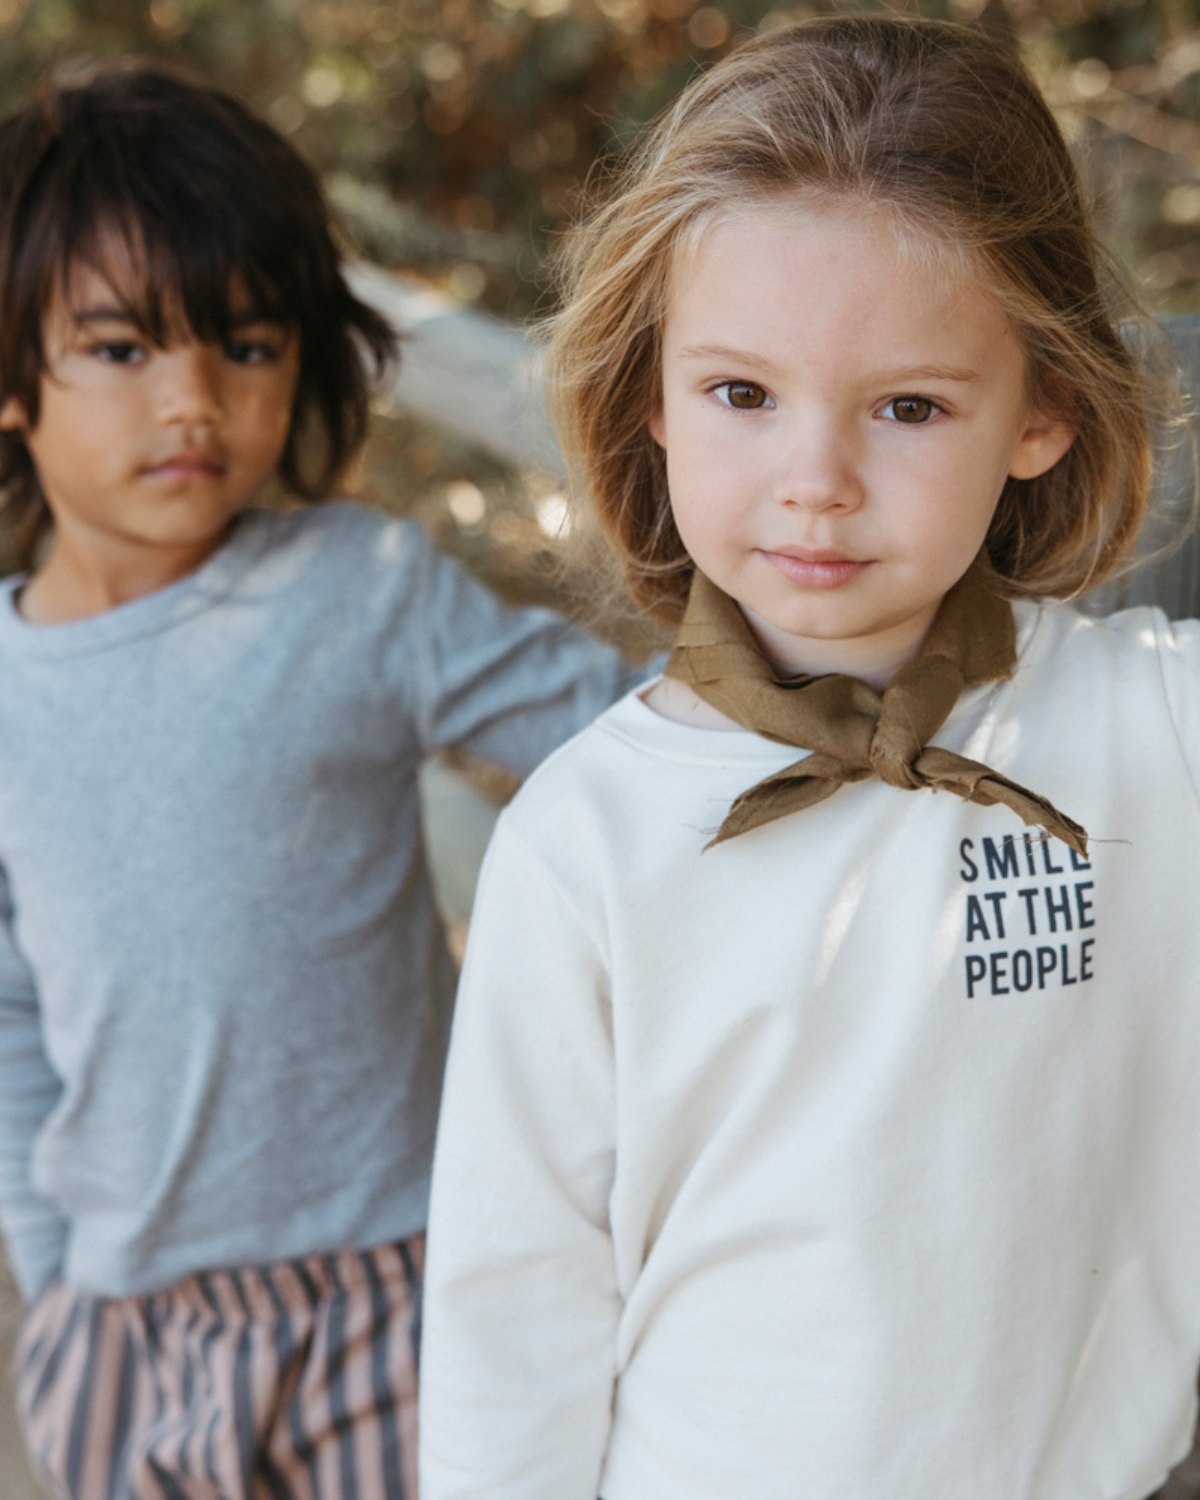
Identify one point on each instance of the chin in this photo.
(189, 522)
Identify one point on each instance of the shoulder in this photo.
(1130, 679)
(333, 529)
(571, 799)
(1137, 644)
(337, 550)
(588, 763)
(558, 844)
(633, 779)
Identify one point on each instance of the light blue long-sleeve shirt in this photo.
(224, 989)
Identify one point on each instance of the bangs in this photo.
(173, 285)
(203, 222)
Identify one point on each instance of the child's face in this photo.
(140, 449)
(839, 422)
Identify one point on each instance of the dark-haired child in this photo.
(224, 991)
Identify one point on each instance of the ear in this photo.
(1042, 444)
(657, 427)
(12, 416)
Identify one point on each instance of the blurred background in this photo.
(455, 139)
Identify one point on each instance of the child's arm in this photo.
(521, 1301)
(34, 1231)
(508, 684)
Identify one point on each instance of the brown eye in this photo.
(911, 408)
(742, 395)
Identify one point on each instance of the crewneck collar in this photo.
(153, 612)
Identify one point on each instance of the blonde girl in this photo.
(821, 1113)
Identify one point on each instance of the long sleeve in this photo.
(521, 1302)
(34, 1230)
(265, 716)
(508, 684)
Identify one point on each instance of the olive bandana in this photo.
(854, 731)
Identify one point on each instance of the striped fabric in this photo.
(294, 1381)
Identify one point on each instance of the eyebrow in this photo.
(723, 351)
(82, 317)
(958, 375)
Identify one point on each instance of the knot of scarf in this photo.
(853, 731)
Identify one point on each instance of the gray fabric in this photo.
(224, 990)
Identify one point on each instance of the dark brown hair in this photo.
(938, 127)
(136, 170)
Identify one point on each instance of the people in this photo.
(821, 1112)
(224, 990)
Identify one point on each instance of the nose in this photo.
(189, 385)
(819, 468)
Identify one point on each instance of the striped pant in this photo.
(292, 1381)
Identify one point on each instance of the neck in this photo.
(78, 582)
(873, 659)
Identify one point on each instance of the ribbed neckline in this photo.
(152, 613)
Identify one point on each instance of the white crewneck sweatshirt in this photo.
(856, 1157)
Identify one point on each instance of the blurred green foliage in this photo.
(455, 134)
(455, 138)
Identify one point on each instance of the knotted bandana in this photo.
(854, 731)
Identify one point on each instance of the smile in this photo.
(816, 570)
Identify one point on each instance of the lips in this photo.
(190, 463)
(817, 567)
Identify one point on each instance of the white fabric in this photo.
(856, 1157)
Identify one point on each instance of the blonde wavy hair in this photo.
(938, 126)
